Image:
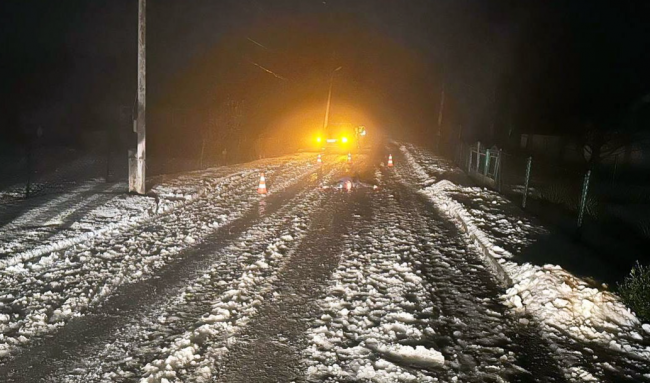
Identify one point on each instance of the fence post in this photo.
(529, 164)
(583, 198)
(478, 156)
(497, 170)
(487, 162)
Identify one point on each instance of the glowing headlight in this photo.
(344, 140)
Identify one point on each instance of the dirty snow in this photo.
(43, 288)
(411, 300)
(185, 335)
(403, 306)
(568, 307)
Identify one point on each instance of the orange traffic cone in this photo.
(390, 160)
(319, 160)
(349, 158)
(262, 188)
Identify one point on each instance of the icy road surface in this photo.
(312, 283)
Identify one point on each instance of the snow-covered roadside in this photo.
(43, 229)
(564, 304)
(84, 274)
(67, 219)
(38, 231)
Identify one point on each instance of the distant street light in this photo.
(329, 99)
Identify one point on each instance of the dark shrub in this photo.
(635, 291)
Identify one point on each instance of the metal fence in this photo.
(613, 195)
(482, 163)
(50, 170)
(43, 170)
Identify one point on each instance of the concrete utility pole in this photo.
(329, 99)
(137, 173)
(442, 101)
(440, 114)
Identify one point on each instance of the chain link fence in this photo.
(612, 196)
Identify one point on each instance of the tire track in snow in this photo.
(119, 319)
(529, 354)
(373, 322)
(44, 223)
(42, 295)
(269, 349)
(486, 343)
(152, 335)
(412, 288)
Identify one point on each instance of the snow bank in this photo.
(491, 254)
(557, 298)
(552, 296)
(418, 170)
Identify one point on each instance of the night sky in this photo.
(535, 66)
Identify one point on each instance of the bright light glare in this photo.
(319, 139)
(344, 140)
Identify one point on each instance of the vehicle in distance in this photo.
(341, 138)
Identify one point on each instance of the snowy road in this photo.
(309, 284)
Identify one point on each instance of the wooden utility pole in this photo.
(137, 173)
